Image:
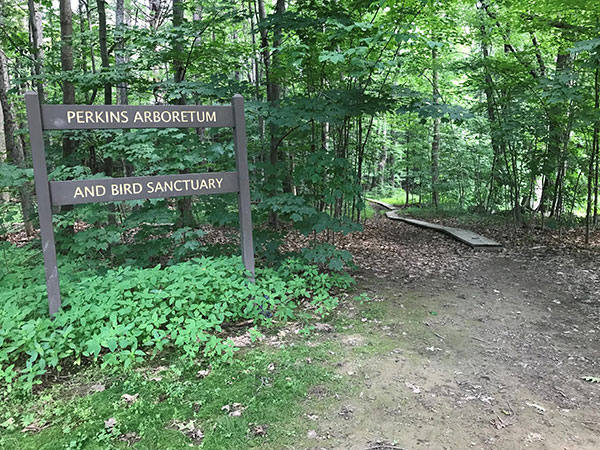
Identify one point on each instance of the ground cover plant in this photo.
(125, 315)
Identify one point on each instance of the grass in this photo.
(172, 404)
(396, 197)
(367, 212)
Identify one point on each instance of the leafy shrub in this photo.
(128, 314)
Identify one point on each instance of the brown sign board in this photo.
(133, 188)
(89, 117)
(93, 117)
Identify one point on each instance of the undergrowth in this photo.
(122, 317)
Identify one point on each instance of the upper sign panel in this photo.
(83, 117)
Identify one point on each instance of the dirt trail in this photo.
(485, 352)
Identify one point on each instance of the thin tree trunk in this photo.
(184, 204)
(178, 61)
(101, 5)
(256, 66)
(271, 61)
(597, 140)
(558, 134)
(593, 177)
(120, 60)
(435, 144)
(13, 144)
(384, 154)
(408, 180)
(66, 63)
(275, 89)
(4, 195)
(36, 40)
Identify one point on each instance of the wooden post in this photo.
(42, 189)
(241, 160)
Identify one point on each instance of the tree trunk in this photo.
(184, 204)
(435, 144)
(101, 5)
(178, 62)
(407, 181)
(593, 162)
(488, 88)
(384, 154)
(155, 13)
(66, 63)
(597, 150)
(4, 195)
(13, 144)
(36, 40)
(256, 66)
(271, 61)
(120, 58)
(558, 135)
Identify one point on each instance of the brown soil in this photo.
(463, 349)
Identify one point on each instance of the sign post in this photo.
(77, 117)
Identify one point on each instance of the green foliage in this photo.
(328, 255)
(125, 315)
(12, 177)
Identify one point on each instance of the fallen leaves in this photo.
(234, 410)
(202, 373)
(189, 428)
(540, 409)
(99, 387)
(323, 327)
(346, 412)
(416, 389)
(498, 423)
(257, 430)
(591, 379)
(130, 399)
(35, 427)
(110, 423)
(131, 438)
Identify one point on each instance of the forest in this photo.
(481, 108)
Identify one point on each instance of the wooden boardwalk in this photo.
(385, 205)
(467, 237)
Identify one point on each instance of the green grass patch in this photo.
(396, 197)
(174, 409)
(368, 212)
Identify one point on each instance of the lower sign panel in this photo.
(133, 188)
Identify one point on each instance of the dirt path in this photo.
(479, 350)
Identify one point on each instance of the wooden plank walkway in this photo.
(465, 236)
(385, 205)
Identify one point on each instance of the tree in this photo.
(13, 143)
(66, 64)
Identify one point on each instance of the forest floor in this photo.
(438, 346)
(459, 348)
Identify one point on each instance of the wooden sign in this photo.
(90, 117)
